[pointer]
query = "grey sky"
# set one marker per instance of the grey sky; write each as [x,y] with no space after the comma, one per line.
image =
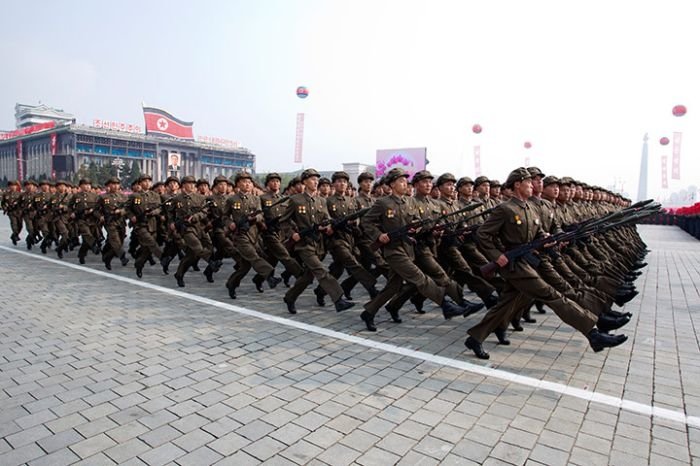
[583,81]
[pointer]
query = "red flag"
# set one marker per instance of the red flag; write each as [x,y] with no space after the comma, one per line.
[162,123]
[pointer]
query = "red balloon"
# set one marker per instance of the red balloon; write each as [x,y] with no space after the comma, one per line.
[527,144]
[664,141]
[476,128]
[302,92]
[679,110]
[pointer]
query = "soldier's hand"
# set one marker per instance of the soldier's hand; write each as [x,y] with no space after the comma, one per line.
[328,230]
[296,237]
[172,227]
[383,238]
[232,226]
[133,220]
[502,260]
[72,215]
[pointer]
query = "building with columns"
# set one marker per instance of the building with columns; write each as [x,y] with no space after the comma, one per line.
[48,143]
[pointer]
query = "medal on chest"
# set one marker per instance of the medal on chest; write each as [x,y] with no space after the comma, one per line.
[390,213]
[517,220]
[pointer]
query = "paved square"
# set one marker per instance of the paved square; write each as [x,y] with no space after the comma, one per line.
[100,367]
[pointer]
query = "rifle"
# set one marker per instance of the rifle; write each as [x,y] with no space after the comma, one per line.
[410,227]
[306,232]
[342,222]
[182,223]
[462,230]
[579,231]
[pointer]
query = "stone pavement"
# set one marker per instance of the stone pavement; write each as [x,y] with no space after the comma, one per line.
[96,370]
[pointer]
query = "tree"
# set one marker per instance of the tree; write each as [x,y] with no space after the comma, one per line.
[135,171]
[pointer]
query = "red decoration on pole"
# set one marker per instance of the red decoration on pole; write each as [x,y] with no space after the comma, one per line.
[476,128]
[664,141]
[679,110]
[527,144]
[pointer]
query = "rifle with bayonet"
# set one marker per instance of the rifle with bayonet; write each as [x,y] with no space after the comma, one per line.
[575,232]
[410,228]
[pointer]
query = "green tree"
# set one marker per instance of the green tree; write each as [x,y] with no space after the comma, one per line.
[135,171]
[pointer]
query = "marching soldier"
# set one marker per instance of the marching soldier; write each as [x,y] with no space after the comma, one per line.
[389,214]
[113,206]
[11,204]
[145,208]
[61,216]
[190,221]
[83,206]
[26,206]
[245,212]
[511,224]
[307,213]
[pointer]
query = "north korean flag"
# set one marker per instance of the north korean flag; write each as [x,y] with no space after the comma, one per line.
[163,123]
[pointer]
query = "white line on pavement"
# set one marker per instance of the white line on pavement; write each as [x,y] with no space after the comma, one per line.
[649,410]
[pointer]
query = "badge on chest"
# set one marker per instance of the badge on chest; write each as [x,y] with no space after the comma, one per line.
[268,203]
[301,209]
[236,205]
[517,220]
[390,213]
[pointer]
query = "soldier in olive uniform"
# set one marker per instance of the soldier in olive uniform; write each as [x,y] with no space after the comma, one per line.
[245,212]
[218,213]
[41,205]
[511,224]
[83,206]
[388,214]
[307,212]
[273,207]
[113,206]
[27,208]
[191,218]
[60,205]
[145,209]
[342,243]
[11,204]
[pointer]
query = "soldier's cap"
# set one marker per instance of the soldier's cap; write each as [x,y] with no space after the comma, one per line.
[464,180]
[135,182]
[444,178]
[272,176]
[113,180]
[28,182]
[187,179]
[83,181]
[365,176]
[230,182]
[323,180]
[295,180]
[13,182]
[480,180]
[172,178]
[157,185]
[308,173]
[340,175]
[63,182]
[44,182]
[242,176]
[394,174]
[551,179]
[519,174]
[421,175]
[220,179]
[585,186]
[145,177]
[534,171]
[565,181]
[202,181]
[495,183]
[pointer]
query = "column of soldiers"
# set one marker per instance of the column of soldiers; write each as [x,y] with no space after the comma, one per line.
[428,239]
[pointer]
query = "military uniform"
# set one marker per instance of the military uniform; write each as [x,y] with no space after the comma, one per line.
[113,207]
[305,211]
[245,212]
[11,204]
[145,208]
[84,206]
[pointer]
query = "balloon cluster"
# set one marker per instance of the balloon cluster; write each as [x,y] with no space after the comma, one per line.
[384,166]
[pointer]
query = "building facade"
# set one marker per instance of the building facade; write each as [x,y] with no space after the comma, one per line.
[59,148]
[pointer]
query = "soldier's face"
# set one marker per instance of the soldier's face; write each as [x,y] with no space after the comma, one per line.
[145,185]
[466,190]
[495,191]
[551,191]
[400,186]
[311,184]
[424,186]
[564,193]
[523,188]
[61,188]
[340,185]
[274,185]
[221,188]
[188,187]
[447,189]
[483,189]
[365,185]
[112,187]
[537,184]
[245,185]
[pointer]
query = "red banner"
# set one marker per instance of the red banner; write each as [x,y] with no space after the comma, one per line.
[53,143]
[664,172]
[162,123]
[20,168]
[676,157]
[477,161]
[300,138]
[28,130]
